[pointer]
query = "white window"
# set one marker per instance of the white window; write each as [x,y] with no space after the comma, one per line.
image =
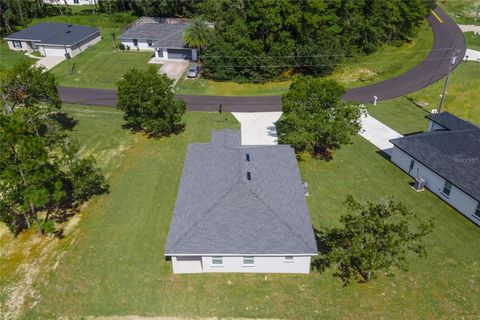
[288,259]
[248,261]
[17,44]
[217,261]
[447,188]
[477,211]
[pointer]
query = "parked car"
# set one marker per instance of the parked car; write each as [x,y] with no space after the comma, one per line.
[193,70]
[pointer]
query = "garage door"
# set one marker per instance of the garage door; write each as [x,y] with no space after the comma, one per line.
[185,54]
[54,52]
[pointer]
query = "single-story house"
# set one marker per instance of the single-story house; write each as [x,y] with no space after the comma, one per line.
[70,2]
[240,209]
[164,36]
[447,158]
[54,39]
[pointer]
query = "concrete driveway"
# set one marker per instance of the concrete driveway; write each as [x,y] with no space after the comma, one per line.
[258,128]
[378,134]
[174,69]
[49,62]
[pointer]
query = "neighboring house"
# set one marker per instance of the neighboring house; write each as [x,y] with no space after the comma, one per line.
[54,39]
[447,157]
[164,36]
[240,209]
[71,2]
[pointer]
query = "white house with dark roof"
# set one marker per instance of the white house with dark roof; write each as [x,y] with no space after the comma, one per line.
[163,36]
[54,39]
[240,209]
[447,157]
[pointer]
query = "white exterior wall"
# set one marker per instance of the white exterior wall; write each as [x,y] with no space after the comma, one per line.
[234,264]
[142,45]
[85,44]
[25,46]
[70,2]
[457,198]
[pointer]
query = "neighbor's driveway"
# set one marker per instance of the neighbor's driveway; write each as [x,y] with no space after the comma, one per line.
[174,69]
[49,62]
[258,128]
[378,134]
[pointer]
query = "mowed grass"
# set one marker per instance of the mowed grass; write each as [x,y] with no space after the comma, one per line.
[113,264]
[473,40]
[99,66]
[387,62]
[463,94]
[462,11]
[8,57]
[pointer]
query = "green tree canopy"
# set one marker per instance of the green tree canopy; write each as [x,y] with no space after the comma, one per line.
[197,33]
[41,171]
[315,118]
[376,237]
[149,103]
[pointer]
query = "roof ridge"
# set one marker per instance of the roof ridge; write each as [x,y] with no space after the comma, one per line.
[204,211]
[275,214]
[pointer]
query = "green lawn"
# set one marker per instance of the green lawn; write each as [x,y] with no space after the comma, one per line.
[388,62]
[462,11]
[463,94]
[9,57]
[112,263]
[473,41]
[99,66]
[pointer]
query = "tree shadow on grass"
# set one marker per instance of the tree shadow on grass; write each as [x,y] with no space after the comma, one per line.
[65,121]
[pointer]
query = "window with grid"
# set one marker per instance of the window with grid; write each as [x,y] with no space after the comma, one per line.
[217,261]
[248,261]
[447,188]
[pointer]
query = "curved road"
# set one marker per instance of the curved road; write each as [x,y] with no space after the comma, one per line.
[447,38]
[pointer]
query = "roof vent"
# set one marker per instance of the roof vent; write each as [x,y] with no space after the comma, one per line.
[247,157]
[70,25]
[68,31]
[249,176]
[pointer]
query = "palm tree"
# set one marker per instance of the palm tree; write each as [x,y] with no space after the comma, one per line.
[197,33]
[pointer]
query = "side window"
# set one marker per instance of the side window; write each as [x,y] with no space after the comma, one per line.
[150,43]
[447,188]
[17,44]
[477,211]
[217,261]
[135,42]
[412,164]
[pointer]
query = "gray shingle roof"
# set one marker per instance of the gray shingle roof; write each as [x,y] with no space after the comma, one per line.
[449,121]
[163,34]
[219,211]
[54,33]
[453,154]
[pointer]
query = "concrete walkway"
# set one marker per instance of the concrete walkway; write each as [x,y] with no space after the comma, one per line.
[49,62]
[258,128]
[469,28]
[472,55]
[378,134]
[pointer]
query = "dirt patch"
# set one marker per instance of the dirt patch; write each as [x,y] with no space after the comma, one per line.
[36,251]
[360,74]
[155,318]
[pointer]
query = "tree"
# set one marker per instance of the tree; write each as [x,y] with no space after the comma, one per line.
[149,103]
[377,237]
[197,33]
[315,118]
[41,172]
[29,180]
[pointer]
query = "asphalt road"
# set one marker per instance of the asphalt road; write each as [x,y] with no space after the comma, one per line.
[447,38]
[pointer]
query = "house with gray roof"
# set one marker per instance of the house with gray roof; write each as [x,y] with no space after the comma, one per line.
[54,39]
[240,209]
[163,36]
[447,159]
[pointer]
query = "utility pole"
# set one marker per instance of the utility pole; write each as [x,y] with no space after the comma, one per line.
[478,10]
[452,63]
